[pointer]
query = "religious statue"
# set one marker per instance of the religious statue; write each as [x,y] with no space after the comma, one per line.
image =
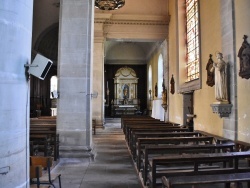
[125,94]
[164,96]
[156,90]
[244,56]
[164,93]
[220,73]
[172,82]
[210,75]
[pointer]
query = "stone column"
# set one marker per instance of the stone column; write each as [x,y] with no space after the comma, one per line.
[15,52]
[228,46]
[98,82]
[74,115]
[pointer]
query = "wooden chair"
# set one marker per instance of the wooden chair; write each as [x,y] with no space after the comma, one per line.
[43,177]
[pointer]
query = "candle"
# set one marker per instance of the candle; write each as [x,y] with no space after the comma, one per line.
[107,84]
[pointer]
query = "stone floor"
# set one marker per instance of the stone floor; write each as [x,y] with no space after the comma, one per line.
[111,166]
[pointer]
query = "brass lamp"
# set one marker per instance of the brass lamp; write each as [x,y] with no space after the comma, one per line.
[109,4]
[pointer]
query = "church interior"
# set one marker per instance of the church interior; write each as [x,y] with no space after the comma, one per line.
[181,63]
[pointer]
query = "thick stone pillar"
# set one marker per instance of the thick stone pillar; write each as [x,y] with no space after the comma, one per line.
[98,80]
[74,115]
[15,52]
[228,46]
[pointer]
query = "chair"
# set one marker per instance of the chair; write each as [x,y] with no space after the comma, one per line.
[45,176]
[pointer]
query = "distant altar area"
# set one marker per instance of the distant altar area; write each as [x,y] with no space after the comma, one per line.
[125,92]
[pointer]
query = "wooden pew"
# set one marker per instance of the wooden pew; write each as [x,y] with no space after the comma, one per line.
[142,142]
[129,128]
[230,164]
[143,123]
[153,151]
[47,138]
[217,139]
[135,134]
[172,182]
[136,118]
[41,121]
[241,146]
[43,135]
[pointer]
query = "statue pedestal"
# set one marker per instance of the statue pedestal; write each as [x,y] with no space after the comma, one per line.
[222,109]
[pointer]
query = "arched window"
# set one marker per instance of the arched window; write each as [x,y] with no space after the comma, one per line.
[192,35]
[53,87]
[188,65]
[160,75]
[150,82]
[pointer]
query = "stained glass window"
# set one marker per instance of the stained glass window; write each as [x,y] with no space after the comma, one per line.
[192,28]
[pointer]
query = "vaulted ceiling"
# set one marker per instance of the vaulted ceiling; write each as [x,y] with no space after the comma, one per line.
[130,33]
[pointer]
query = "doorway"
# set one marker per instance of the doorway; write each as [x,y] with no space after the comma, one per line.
[188,108]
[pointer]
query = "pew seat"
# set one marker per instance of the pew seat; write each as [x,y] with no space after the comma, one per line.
[173,182]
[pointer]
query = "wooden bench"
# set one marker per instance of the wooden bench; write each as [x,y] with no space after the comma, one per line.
[129,129]
[142,142]
[142,123]
[230,164]
[135,134]
[46,138]
[147,123]
[135,118]
[172,182]
[42,121]
[241,146]
[153,151]
[41,177]
[218,139]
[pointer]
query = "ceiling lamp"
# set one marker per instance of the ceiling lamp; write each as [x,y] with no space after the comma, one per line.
[109,4]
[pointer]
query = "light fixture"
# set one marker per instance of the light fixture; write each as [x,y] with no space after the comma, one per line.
[109,4]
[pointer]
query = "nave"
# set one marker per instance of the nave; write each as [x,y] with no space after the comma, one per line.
[110,166]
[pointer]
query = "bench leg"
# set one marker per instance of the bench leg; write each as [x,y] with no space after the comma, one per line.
[59,178]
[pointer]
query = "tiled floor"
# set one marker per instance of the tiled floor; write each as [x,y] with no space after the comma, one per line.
[111,166]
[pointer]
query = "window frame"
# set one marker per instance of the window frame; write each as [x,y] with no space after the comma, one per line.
[182,85]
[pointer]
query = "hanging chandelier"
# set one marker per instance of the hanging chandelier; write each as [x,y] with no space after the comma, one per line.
[109,4]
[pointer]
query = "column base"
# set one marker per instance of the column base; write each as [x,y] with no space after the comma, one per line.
[75,152]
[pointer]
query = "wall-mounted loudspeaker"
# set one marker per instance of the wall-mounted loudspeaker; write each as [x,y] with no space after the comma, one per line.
[40,66]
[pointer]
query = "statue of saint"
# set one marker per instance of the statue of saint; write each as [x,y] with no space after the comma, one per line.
[125,92]
[125,95]
[164,96]
[220,73]
[156,90]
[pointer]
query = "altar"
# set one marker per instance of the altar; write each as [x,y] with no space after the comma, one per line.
[125,92]
[119,110]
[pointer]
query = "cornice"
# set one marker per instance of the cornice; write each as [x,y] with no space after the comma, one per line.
[108,19]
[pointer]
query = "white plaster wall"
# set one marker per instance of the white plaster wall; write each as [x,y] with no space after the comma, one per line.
[15,51]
